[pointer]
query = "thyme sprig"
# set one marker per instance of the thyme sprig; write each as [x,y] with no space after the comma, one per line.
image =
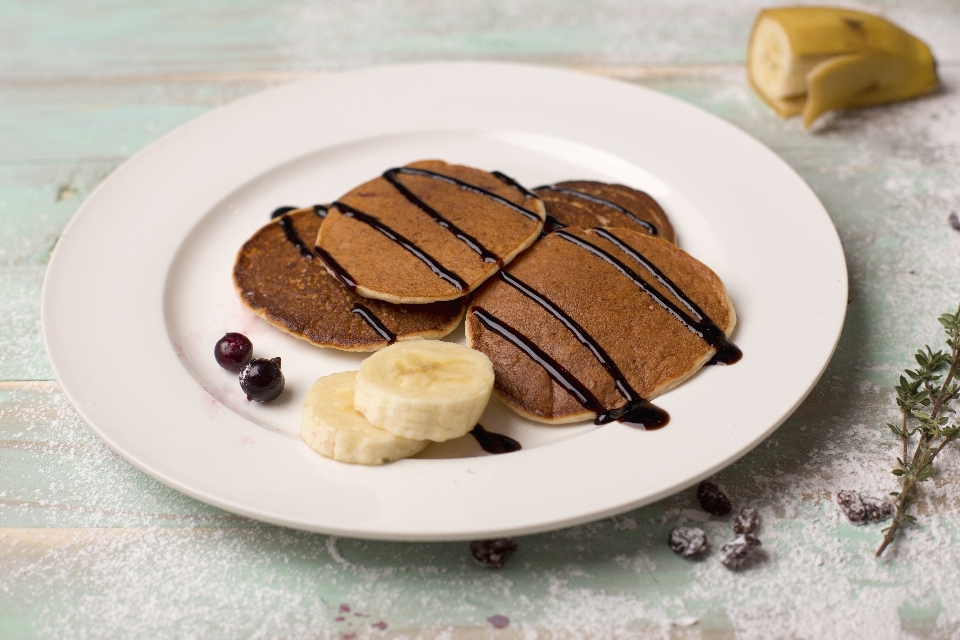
[924,396]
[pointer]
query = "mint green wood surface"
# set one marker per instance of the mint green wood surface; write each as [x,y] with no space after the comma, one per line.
[90,547]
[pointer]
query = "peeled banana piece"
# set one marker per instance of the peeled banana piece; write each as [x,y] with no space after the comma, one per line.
[334,429]
[810,60]
[424,389]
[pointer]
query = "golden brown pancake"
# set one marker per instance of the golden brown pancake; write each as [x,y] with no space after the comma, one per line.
[278,277]
[597,279]
[586,204]
[427,232]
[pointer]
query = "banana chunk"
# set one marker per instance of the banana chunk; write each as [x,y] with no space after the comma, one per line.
[811,60]
[424,389]
[334,429]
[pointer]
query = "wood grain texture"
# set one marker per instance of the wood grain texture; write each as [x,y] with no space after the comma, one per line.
[112,38]
[90,547]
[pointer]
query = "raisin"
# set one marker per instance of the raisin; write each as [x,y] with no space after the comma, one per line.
[712,499]
[954,220]
[492,553]
[748,521]
[688,542]
[860,509]
[734,553]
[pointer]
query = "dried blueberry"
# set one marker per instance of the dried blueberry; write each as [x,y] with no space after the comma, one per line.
[712,499]
[262,379]
[492,553]
[688,542]
[860,509]
[735,552]
[233,351]
[748,521]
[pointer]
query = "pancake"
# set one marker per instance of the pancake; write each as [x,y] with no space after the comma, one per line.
[278,277]
[636,325]
[586,204]
[427,232]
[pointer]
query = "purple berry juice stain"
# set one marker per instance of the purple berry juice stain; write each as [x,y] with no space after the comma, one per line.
[499,622]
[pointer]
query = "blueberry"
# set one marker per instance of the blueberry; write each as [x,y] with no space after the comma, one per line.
[233,351]
[262,379]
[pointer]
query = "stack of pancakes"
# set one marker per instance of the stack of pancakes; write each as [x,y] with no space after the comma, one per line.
[575,290]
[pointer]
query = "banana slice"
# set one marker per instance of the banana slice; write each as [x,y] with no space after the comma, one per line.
[424,389]
[334,429]
[811,60]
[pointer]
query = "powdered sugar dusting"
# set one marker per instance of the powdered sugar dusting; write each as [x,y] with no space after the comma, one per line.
[93,547]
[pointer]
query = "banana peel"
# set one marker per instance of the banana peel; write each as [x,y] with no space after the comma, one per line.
[811,60]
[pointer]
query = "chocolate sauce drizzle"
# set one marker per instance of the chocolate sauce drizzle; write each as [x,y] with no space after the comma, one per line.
[550,225]
[294,238]
[578,331]
[488,256]
[727,352]
[494,442]
[374,322]
[351,212]
[646,224]
[444,274]
[638,411]
[704,327]
[339,272]
[510,182]
[281,211]
[466,186]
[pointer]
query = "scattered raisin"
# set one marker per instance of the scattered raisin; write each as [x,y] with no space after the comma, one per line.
[954,220]
[492,553]
[712,499]
[688,542]
[735,552]
[860,509]
[747,522]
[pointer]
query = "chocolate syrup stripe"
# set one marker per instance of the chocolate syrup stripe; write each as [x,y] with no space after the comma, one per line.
[471,188]
[474,244]
[494,442]
[281,211]
[507,180]
[653,270]
[727,352]
[553,368]
[444,274]
[691,324]
[374,322]
[646,224]
[294,238]
[637,411]
[579,332]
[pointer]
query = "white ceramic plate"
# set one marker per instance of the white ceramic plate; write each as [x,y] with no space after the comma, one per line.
[138,291]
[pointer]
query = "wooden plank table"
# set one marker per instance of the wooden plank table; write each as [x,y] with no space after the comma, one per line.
[92,548]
